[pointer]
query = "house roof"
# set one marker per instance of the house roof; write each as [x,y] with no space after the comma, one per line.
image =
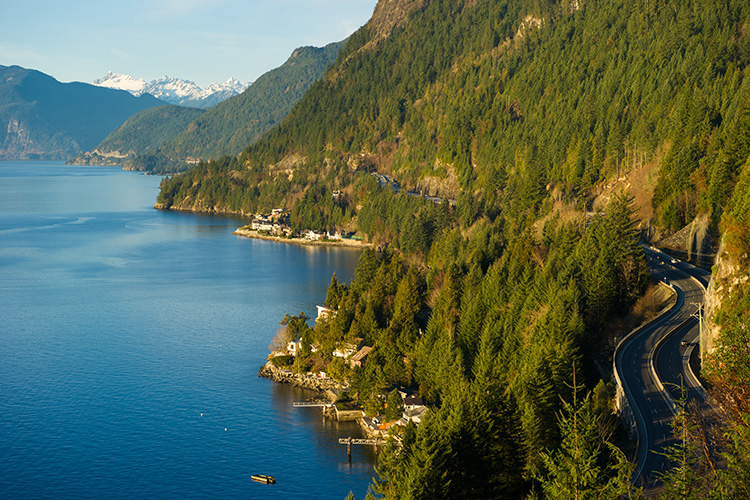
[362,353]
[413,400]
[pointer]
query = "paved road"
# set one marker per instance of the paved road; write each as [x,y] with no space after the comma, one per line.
[654,361]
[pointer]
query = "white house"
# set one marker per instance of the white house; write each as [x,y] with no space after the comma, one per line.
[294,348]
[325,313]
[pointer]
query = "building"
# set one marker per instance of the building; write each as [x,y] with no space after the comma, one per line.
[294,348]
[325,313]
[413,401]
[347,350]
[314,235]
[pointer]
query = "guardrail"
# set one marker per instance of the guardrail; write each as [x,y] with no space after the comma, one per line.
[665,394]
[632,415]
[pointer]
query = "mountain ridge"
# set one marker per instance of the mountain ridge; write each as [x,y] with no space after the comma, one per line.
[224,129]
[173,90]
[42,118]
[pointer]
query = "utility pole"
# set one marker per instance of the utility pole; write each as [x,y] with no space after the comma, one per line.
[699,315]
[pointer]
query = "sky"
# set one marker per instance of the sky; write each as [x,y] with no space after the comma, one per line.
[206,41]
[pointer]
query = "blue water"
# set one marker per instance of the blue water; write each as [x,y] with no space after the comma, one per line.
[130,341]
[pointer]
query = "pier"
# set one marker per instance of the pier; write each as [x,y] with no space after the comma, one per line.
[350,441]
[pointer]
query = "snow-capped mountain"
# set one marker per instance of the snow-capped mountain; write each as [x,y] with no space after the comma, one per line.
[175,90]
[121,82]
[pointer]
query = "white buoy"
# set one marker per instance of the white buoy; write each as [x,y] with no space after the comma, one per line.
[201,414]
[225,429]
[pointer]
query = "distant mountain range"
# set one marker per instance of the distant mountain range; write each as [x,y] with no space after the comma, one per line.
[42,118]
[161,140]
[175,90]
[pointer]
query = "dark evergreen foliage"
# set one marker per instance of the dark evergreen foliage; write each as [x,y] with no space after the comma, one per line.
[494,306]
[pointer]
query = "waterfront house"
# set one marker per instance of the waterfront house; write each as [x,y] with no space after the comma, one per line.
[314,235]
[325,313]
[414,415]
[294,348]
[413,401]
[347,349]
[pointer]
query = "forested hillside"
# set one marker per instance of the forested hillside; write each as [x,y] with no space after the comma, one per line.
[481,98]
[43,118]
[228,127]
[140,134]
[497,308]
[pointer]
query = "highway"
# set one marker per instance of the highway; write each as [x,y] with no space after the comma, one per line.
[653,362]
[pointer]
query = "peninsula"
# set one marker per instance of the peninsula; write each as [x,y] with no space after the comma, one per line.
[247,232]
[276,227]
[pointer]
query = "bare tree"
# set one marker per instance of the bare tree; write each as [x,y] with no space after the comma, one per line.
[280,340]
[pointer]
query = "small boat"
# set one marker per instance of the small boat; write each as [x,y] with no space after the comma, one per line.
[263,478]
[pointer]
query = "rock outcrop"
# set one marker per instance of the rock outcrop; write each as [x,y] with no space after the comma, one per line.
[695,240]
[306,381]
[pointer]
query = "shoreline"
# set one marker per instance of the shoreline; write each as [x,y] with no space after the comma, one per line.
[250,233]
[327,386]
[328,390]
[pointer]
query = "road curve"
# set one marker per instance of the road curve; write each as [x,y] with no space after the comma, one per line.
[651,364]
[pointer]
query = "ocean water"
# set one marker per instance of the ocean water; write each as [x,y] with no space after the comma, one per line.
[130,341]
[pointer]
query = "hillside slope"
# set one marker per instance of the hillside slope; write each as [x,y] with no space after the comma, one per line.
[231,125]
[498,310]
[140,134]
[482,99]
[43,118]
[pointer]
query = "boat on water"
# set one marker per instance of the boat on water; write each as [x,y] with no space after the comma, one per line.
[263,478]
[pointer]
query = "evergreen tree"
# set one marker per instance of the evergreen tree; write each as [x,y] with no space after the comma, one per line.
[394,406]
[574,471]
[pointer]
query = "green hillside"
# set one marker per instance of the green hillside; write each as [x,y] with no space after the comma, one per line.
[140,134]
[499,310]
[231,125]
[43,118]
[511,95]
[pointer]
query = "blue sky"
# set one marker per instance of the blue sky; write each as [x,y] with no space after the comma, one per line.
[205,41]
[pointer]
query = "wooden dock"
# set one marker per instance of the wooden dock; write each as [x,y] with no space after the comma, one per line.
[350,441]
[373,442]
[304,404]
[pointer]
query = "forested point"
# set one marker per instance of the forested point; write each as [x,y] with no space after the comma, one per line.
[497,309]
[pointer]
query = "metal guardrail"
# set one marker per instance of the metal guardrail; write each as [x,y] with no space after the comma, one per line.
[632,415]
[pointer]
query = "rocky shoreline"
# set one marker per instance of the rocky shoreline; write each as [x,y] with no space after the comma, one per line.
[249,233]
[325,385]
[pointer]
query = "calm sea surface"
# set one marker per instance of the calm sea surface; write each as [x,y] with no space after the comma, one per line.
[130,341]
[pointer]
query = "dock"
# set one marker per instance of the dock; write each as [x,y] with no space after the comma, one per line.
[303,404]
[350,441]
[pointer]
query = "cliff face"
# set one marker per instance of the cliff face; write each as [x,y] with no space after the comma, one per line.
[729,278]
[391,13]
[722,271]
[695,240]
